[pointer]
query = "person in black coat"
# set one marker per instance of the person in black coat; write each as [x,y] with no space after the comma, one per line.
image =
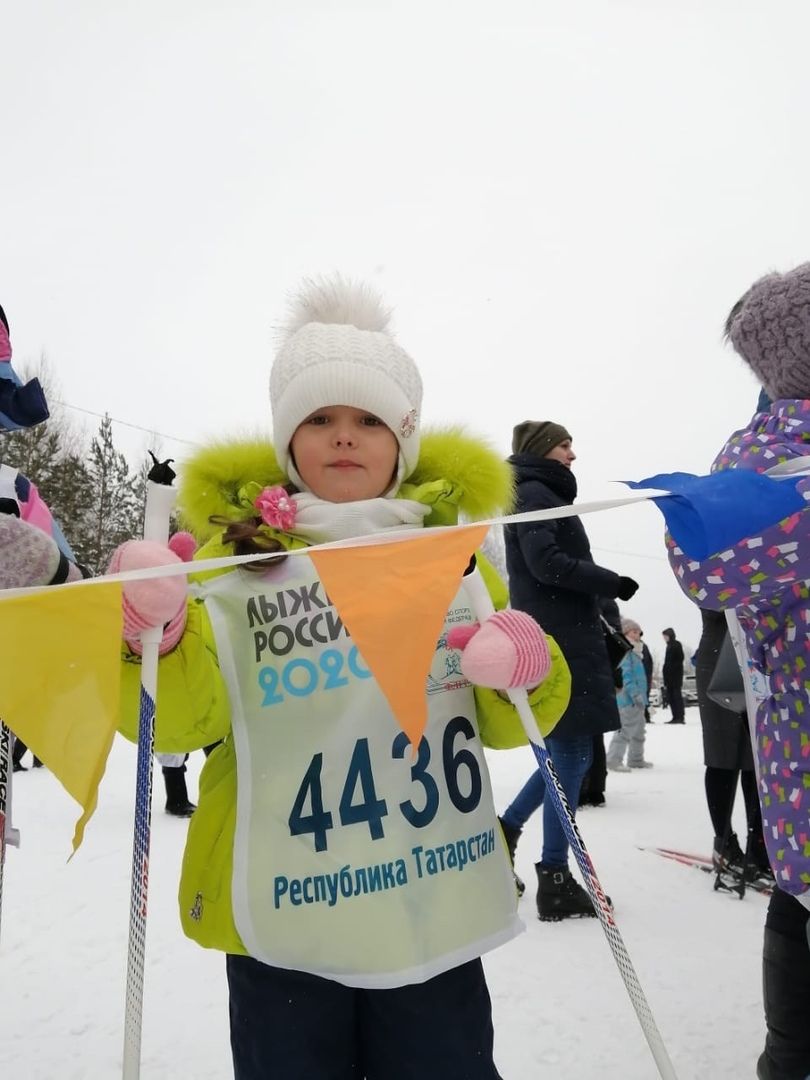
[553,577]
[673,675]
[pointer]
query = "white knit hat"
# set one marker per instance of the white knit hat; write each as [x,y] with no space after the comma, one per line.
[337,350]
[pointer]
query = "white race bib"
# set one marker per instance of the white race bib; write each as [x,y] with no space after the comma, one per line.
[354,859]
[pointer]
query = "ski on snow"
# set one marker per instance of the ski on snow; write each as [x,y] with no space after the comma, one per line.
[724,879]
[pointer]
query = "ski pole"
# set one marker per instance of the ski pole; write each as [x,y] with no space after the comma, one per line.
[8,835]
[482,609]
[159,502]
[5,800]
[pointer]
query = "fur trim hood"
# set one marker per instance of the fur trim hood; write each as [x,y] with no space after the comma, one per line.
[457,474]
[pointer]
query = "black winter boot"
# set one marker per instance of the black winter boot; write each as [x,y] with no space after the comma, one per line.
[728,857]
[177,803]
[786,993]
[596,798]
[559,896]
[511,836]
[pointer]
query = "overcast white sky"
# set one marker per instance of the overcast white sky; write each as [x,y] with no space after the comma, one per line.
[561,201]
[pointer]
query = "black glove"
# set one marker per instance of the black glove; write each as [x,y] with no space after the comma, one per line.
[627,588]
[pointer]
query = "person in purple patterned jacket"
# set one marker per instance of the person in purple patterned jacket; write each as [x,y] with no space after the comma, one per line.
[766,580]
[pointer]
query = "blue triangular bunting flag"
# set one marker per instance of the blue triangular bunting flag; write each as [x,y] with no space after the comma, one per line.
[707,514]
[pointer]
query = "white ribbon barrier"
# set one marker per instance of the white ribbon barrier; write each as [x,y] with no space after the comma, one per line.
[201,566]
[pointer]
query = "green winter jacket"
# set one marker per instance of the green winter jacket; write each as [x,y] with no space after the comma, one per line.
[456,475]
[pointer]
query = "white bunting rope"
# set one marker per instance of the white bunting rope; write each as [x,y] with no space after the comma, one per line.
[203,566]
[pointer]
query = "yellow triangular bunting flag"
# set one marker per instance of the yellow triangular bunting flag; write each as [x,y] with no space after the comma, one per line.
[61,653]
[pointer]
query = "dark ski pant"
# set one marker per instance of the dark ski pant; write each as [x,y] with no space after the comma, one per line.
[287,1025]
[595,780]
[674,694]
[786,990]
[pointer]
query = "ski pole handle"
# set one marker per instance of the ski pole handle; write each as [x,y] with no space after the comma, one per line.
[160,500]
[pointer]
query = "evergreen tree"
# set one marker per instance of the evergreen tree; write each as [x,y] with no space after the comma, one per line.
[139,494]
[34,452]
[69,499]
[113,512]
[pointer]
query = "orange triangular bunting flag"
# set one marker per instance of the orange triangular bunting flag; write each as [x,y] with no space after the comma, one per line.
[393,599]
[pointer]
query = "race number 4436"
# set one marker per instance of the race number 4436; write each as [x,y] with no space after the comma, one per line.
[360,803]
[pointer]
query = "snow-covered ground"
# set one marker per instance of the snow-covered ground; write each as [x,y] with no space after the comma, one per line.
[560,1007]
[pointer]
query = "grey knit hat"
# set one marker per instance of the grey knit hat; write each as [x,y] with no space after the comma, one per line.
[537,437]
[770,329]
[630,624]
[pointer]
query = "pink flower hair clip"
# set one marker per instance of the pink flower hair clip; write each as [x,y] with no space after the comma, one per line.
[276,507]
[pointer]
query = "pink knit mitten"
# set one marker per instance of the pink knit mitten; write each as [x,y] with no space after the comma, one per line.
[154,602]
[508,651]
[29,556]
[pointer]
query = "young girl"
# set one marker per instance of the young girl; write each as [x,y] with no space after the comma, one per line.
[766,579]
[353,883]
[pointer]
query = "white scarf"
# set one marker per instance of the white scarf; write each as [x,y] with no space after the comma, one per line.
[319,522]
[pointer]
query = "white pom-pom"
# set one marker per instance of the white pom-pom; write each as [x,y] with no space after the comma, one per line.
[336,300]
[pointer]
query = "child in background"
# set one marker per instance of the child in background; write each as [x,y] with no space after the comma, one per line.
[632,701]
[325,857]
